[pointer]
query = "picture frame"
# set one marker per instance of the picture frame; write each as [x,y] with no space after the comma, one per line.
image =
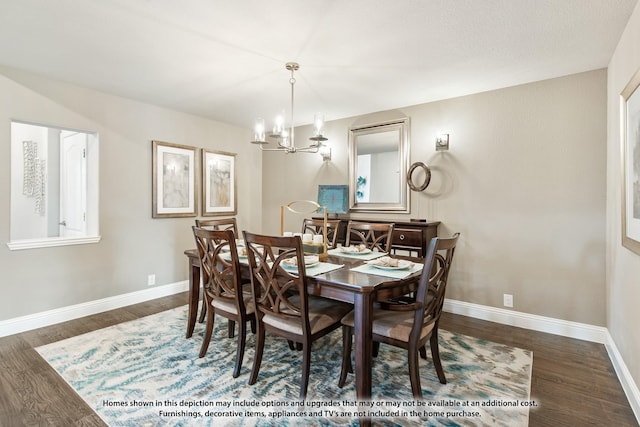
[219,187]
[334,197]
[174,180]
[630,157]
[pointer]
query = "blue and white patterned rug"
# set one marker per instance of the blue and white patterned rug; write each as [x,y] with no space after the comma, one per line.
[146,373]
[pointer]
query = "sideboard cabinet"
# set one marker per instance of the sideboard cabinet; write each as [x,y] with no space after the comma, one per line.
[410,236]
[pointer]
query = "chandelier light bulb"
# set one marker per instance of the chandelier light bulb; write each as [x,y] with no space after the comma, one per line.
[258,130]
[284,139]
[278,126]
[318,124]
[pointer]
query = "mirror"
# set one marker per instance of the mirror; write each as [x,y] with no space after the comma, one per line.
[378,162]
[54,186]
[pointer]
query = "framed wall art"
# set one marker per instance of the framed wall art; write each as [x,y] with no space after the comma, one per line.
[334,197]
[174,180]
[630,156]
[218,183]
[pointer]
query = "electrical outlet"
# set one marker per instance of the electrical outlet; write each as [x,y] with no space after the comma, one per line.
[508,300]
[151,280]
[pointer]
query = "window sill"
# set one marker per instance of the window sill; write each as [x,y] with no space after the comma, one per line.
[51,242]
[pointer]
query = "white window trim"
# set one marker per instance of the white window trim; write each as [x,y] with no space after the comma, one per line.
[51,242]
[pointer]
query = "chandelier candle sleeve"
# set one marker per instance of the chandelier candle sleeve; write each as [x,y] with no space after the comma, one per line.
[318,124]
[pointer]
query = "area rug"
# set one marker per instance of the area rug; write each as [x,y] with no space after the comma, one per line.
[146,373]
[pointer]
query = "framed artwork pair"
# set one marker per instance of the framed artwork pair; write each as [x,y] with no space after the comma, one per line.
[176,178]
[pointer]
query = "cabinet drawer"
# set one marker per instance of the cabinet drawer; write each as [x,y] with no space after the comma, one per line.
[407,237]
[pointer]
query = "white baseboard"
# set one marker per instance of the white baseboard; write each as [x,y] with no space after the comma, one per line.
[626,380]
[534,322]
[51,317]
[557,327]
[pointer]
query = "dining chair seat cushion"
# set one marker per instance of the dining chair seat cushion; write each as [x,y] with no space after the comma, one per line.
[230,307]
[391,324]
[323,313]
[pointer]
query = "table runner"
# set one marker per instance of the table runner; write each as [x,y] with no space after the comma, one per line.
[396,274]
[315,270]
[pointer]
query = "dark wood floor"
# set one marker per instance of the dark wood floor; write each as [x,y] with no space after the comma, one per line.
[573,381]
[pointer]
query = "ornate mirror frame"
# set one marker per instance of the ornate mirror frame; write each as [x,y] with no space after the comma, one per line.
[401,204]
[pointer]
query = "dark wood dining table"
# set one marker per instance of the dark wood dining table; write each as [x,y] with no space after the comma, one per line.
[359,289]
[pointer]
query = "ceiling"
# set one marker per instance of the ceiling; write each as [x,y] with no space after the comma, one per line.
[225,59]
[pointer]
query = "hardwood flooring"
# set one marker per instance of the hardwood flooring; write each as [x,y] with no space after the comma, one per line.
[573,381]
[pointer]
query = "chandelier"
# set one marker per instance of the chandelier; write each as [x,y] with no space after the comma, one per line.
[285,138]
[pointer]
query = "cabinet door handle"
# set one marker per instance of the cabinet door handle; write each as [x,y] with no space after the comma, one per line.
[402,237]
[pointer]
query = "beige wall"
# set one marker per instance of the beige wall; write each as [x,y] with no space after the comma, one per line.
[524,182]
[133,244]
[623,266]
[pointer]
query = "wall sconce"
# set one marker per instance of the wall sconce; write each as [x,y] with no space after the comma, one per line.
[442,142]
[325,152]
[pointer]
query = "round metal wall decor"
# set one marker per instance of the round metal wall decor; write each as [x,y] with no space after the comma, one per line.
[427,176]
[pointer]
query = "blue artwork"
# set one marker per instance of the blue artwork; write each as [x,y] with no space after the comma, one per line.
[334,197]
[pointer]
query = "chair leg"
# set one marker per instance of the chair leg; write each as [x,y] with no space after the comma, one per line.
[292,345]
[242,335]
[257,360]
[203,310]
[414,373]
[435,355]
[306,367]
[253,325]
[423,352]
[375,349]
[232,328]
[208,331]
[346,355]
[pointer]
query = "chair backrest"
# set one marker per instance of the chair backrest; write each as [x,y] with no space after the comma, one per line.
[219,265]
[433,282]
[279,288]
[373,235]
[314,226]
[219,224]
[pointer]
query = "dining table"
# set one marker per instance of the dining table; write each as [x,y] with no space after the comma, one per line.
[355,282]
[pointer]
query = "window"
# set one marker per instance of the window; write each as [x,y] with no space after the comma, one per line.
[54,186]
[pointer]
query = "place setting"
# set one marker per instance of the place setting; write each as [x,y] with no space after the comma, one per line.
[389,267]
[360,252]
[312,264]
[242,255]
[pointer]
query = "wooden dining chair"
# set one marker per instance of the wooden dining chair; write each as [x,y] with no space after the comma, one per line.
[374,236]
[283,306]
[224,293]
[410,326]
[315,226]
[218,224]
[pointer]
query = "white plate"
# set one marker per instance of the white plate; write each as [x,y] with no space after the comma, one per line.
[309,261]
[402,265]
[295,267]
[352,251]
